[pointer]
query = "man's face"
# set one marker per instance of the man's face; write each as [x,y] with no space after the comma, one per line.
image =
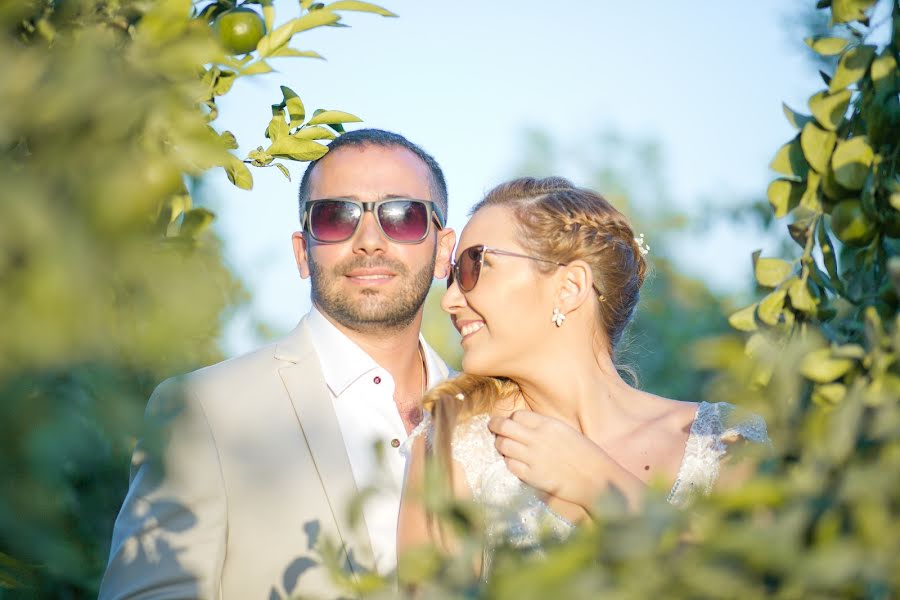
[369,283]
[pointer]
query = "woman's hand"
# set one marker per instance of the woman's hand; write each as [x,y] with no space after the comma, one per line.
[554,458]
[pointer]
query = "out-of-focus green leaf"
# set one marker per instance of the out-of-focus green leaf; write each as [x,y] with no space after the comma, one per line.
[851,161]
[195,221]
[845,11]
[821,367]
[772,271]
[817,144]
[286,51]
[884,71]
[789,160]
[260,67]
[771,307]
[313,19]
[826,46]
[784,195]
[744,319]
[796,119]
[328,117]
[829,109]
[229,140]
[853,65]
[829,394]
[356,5]
[275,39]
[277,128]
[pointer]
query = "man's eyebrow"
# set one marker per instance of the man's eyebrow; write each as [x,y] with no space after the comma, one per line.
[383,197]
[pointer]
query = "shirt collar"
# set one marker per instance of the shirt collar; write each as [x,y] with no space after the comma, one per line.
[343,362]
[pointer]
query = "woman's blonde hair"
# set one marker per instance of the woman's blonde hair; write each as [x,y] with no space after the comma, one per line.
[562,223]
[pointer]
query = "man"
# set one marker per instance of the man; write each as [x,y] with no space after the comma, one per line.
[261,455]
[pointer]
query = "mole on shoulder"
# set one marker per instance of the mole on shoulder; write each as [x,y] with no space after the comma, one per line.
[646,467]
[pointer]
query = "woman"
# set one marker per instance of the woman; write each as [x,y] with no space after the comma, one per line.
[540,423]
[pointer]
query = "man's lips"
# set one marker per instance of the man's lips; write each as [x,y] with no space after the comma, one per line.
[370,276]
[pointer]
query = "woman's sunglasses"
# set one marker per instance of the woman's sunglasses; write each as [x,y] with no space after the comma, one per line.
[401,220]
[466,270]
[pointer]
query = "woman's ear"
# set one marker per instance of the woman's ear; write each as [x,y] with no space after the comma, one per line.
[576,285]
[445,243]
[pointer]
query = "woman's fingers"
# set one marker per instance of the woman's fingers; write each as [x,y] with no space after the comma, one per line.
[511,448]
[508,428]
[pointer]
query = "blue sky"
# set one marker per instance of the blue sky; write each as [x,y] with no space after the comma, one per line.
[464,79]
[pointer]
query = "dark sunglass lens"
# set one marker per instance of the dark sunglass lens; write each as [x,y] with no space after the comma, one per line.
[333,220]
[403,220]
[470,268]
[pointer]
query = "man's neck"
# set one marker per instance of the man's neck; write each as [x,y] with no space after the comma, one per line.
[396,351]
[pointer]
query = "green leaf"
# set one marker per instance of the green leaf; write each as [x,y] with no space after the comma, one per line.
[770,272]
[817,145]
[845,11]
[827,248]
[294,106]
[297,149]
[333,116]
[275,39]
[784,195]
[238,173]
[796,119]
[853,65]
[195,221]
[313,19]
[800,297]
[259,158]
[789,160]
[268,14]
[829,109]
[884,71]
[284,170]
[771,307]
[314,133]
[223,82]
[827,46]
[810,198]
[851,351]
[257,68]
[829,394]
[360,7]
[851,161]
[286,51]
[821,367]
[277,128]
[744,319]
[229,140]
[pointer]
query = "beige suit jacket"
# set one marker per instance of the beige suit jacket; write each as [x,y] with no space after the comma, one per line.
[250,475]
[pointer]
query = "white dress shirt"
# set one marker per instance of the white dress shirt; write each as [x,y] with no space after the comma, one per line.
[363,396]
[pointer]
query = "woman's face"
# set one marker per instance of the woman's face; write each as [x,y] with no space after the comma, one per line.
[505,320]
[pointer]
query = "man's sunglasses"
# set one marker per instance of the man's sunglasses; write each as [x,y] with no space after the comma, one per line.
[401,220]
[466,270]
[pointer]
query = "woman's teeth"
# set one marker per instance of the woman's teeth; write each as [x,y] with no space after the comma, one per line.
[471,328]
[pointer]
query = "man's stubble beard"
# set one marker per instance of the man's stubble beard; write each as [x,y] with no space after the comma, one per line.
[375,311]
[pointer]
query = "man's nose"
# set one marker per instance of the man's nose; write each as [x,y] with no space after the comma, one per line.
[369,238]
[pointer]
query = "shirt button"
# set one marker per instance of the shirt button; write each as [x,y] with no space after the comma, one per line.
[377,379]
[395,443]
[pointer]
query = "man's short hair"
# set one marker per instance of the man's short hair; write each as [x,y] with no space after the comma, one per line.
[386,139]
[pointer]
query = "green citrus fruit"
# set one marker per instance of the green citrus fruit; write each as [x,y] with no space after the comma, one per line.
[239,30]
[850,225]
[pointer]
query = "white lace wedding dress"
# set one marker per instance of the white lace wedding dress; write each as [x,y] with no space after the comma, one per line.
[515,514]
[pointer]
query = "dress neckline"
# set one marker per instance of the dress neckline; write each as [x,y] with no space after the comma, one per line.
[692,434]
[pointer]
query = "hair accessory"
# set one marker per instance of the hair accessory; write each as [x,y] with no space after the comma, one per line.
[460,396]
[644,248]
[558,317]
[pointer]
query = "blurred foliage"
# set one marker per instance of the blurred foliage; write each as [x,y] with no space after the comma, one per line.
[111,278]
[816,356]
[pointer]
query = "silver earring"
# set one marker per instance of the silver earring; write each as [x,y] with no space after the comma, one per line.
[558,317]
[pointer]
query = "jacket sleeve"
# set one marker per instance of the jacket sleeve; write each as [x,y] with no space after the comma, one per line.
[169,538]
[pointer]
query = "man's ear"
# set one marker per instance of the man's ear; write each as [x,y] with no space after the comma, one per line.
[576,285]
[445,244]
[301,253]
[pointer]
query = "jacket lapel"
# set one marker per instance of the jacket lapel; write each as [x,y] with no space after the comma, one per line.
[315,414]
